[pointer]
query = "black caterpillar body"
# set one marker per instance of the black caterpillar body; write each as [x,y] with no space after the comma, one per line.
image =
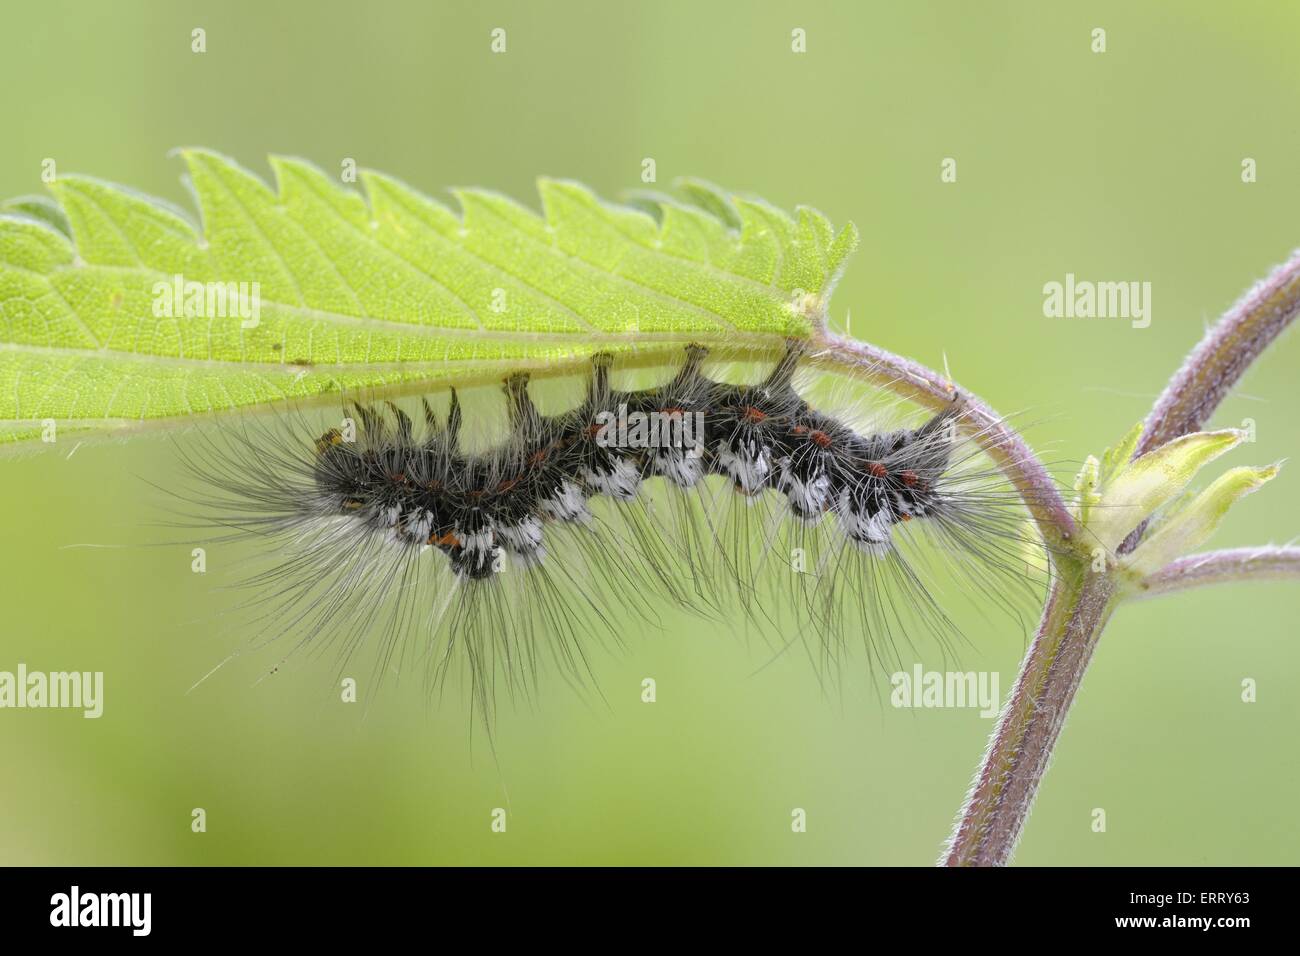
[424,491]
[811,554]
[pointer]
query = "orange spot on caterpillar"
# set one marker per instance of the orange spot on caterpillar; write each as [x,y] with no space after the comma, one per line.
[752,415]
[799,429]
[906,517]
[447,540]
[877,470]
[820,438]
[909,478]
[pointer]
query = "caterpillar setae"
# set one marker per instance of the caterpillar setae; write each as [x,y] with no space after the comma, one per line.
[527,548]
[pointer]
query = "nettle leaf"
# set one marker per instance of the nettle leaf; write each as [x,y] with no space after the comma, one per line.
[389,289]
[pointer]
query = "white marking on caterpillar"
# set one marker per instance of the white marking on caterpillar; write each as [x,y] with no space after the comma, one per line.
[748,465]
[567,504]
[808,499]
[621,481]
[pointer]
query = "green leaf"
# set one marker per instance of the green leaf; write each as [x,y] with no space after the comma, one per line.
[1120,494]
[1087,483]
[1116,459]
[1098,474]
[385,289]
[1197,519]
[41,208]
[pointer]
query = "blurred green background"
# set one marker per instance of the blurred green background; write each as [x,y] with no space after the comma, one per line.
[1122,165]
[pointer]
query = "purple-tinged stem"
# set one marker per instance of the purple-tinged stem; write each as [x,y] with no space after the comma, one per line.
[1221,567]
[998,804]
[1218,362]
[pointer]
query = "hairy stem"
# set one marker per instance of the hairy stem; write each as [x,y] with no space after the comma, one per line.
[1223,355]
[1081,601]
[999,802]
[1080,604]
[1218,362]
[1222,567]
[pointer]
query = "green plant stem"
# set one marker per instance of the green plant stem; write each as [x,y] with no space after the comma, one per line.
[1222,357]
[1217,363]
[1081,602]
[1222,567]
[996,808]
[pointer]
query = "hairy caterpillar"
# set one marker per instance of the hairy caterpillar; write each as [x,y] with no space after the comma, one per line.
[526,548]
